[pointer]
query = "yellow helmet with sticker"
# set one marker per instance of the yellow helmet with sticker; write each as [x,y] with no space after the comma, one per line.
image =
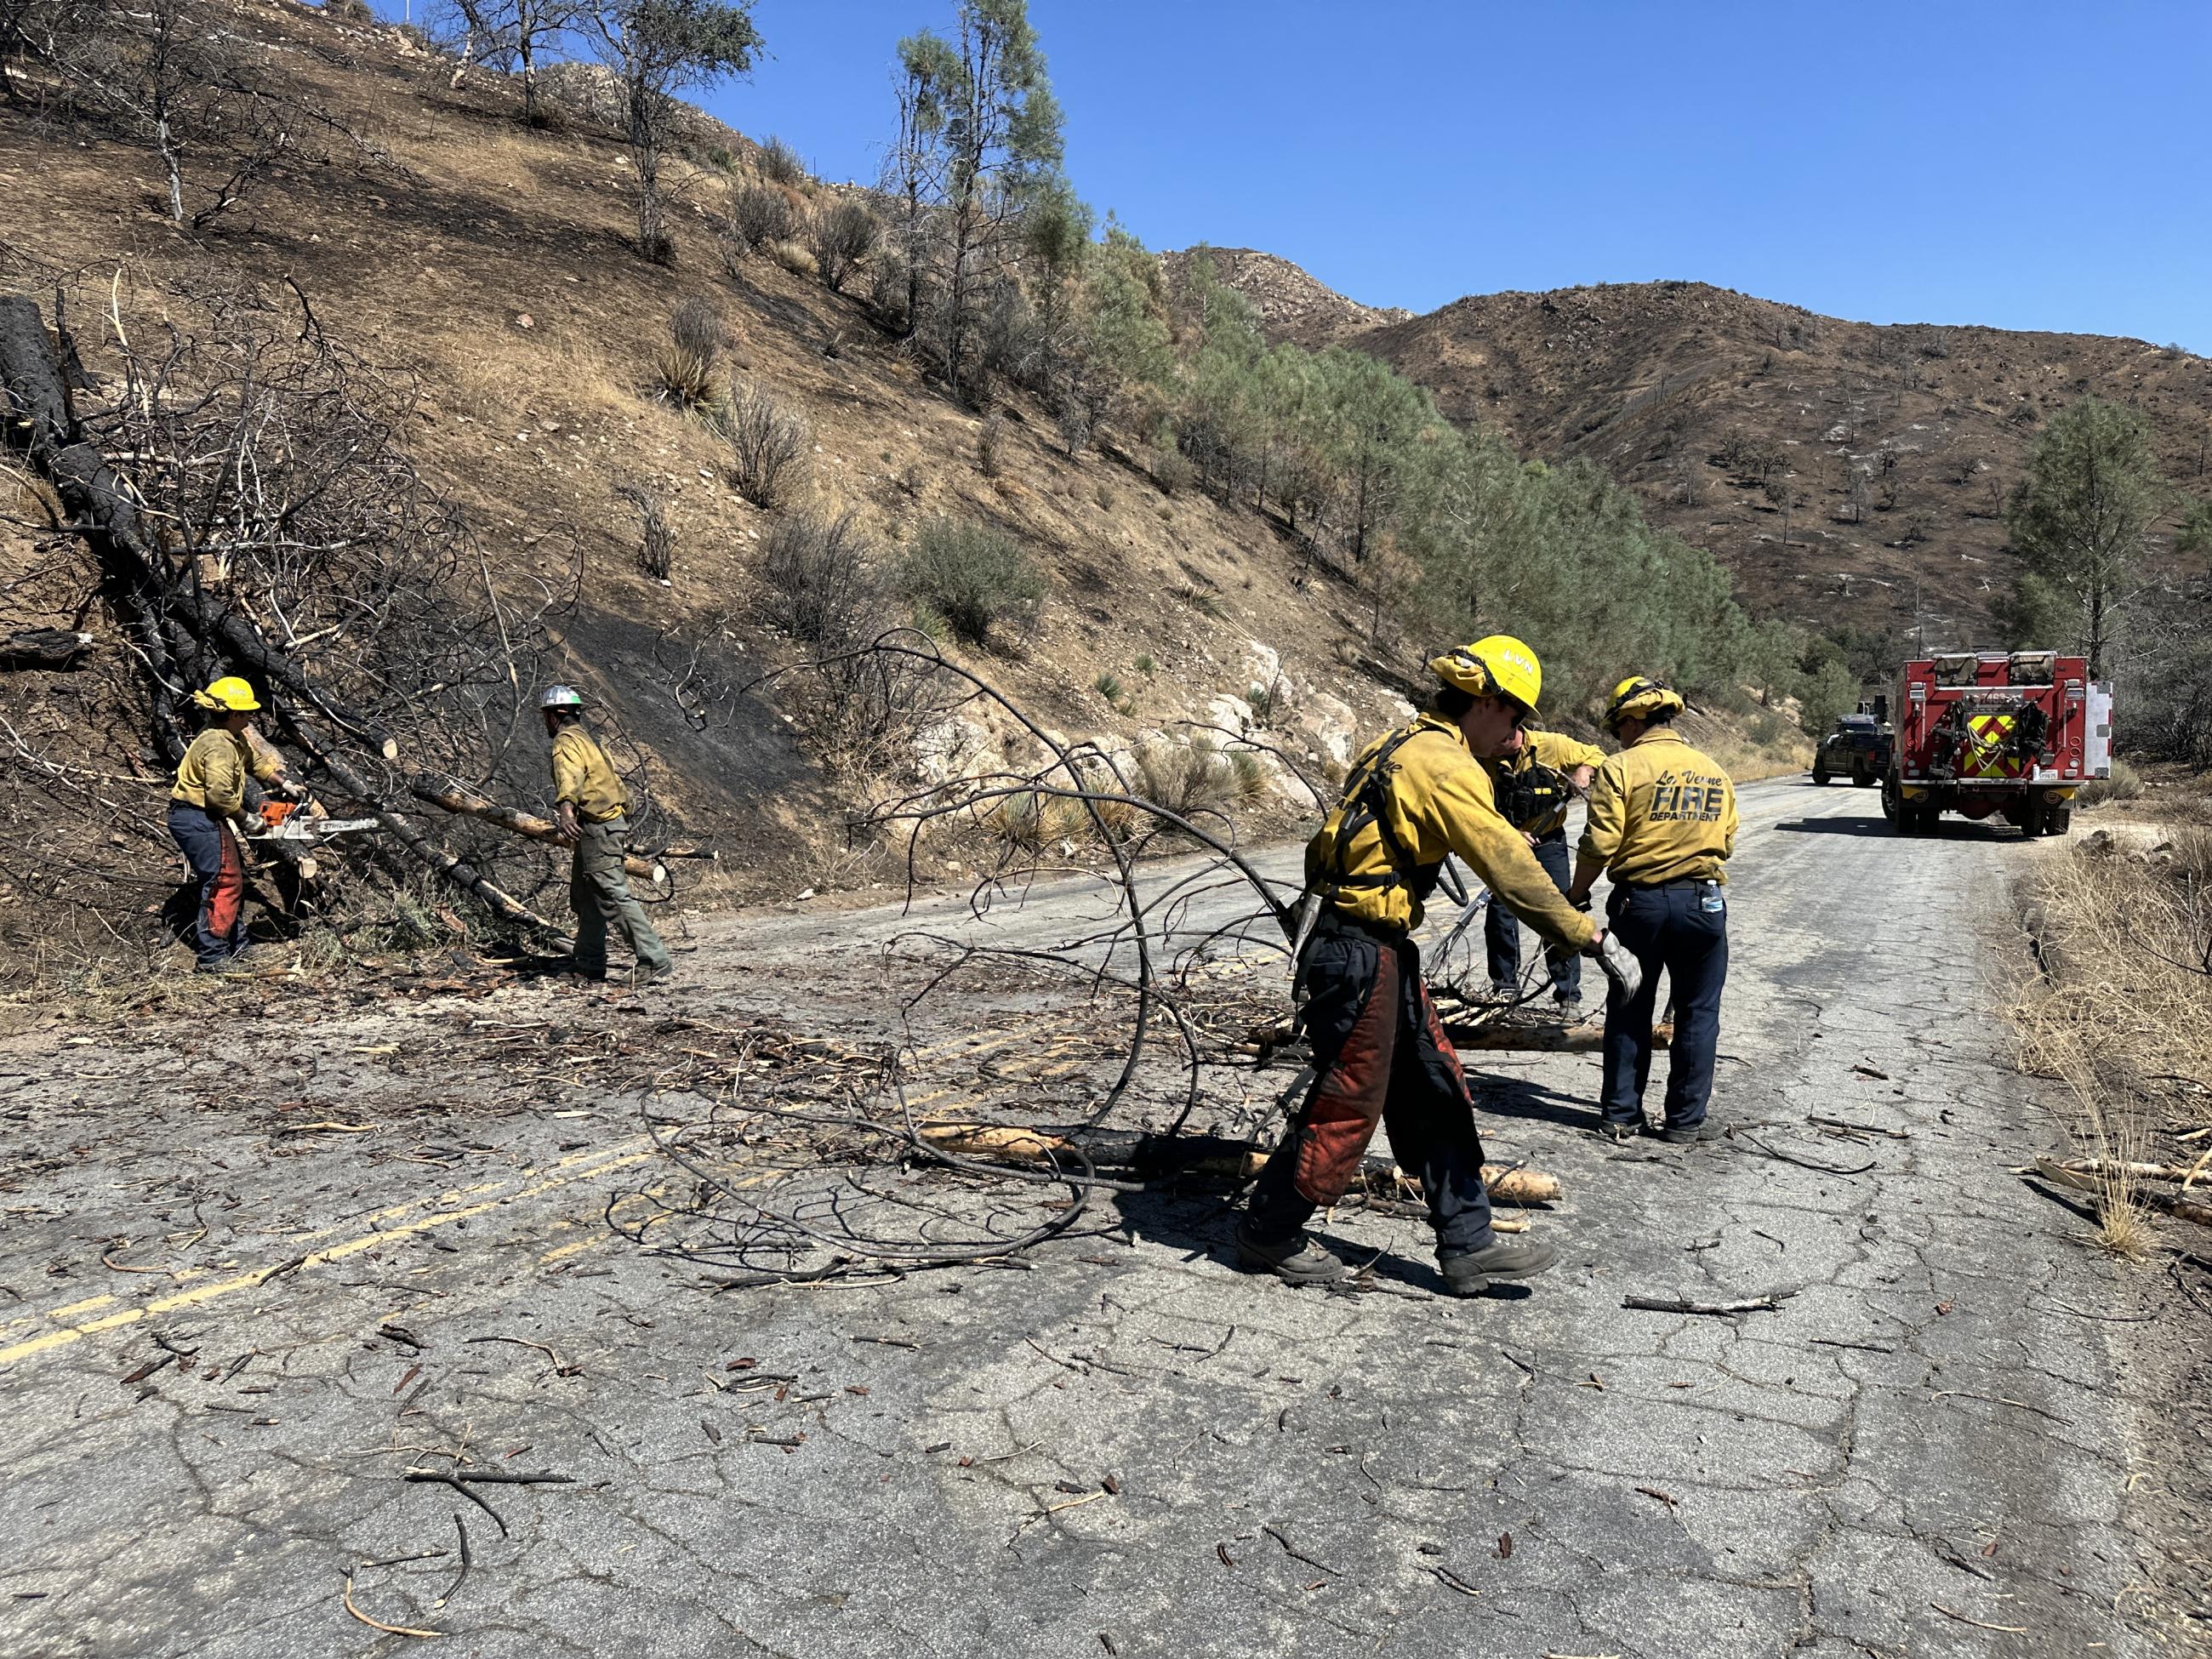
[230,694]
[1640,697]
[1496,665]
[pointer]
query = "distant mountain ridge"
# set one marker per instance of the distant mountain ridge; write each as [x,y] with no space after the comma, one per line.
[1889,449]
[1292,303]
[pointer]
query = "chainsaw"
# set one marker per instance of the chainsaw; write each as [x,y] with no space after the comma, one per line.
[282,820]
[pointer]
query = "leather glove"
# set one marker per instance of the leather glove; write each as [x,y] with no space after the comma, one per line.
[1620,967]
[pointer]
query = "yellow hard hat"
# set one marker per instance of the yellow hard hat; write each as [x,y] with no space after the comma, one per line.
[1496,664]
[1639,698]
[230,693]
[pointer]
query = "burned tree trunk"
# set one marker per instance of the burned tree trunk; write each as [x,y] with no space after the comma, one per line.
[44,647]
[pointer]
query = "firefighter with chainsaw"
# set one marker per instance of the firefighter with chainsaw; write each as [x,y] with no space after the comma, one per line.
[1662,823]
[1534,780]
[1379,1053]
[592,802]
[207,816]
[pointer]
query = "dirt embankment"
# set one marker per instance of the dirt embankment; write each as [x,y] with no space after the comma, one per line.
[2111,1003]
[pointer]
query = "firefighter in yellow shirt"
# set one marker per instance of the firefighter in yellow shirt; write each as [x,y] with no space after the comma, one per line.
[591,801]
[1534,780]
[1662,823]
[207,807]
[1379,1053]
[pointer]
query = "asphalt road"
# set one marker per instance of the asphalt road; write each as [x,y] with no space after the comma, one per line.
[1121,1447]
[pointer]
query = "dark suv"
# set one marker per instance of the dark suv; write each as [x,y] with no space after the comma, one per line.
[1858,748]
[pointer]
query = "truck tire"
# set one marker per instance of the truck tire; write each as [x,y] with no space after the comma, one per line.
[1820,774]
[1861,777]
[2059,819]
[2032,816]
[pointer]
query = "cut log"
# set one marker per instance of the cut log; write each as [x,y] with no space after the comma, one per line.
[1190,1154]
[44,647]
[1492,1037]
[449,796]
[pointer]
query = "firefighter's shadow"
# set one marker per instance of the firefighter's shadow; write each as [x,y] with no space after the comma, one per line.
[1199,1223]
[1524,1097]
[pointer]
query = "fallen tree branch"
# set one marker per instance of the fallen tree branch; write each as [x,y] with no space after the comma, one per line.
[1769,1303]
[2077,1180]
[449,796]
[1804,1163]
[2123,1169]
[502,904]
[1857,1128]
[378,1624]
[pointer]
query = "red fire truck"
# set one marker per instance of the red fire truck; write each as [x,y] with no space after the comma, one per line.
[1985,732]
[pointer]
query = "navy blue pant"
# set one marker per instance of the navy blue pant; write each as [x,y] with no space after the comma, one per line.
[1670,927]
[1379,1055]
[212,851]
[1501,928]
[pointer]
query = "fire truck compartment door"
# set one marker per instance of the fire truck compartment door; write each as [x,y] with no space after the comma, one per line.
[2097,741]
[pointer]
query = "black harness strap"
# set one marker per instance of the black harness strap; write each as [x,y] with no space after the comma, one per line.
[1530,793]
[1366,800]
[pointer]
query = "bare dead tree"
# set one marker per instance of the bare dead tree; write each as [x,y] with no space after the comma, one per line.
[173,75]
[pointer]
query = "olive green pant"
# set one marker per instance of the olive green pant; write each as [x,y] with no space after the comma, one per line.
[599,891]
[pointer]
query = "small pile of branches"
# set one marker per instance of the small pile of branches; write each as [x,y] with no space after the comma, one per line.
[1177,943]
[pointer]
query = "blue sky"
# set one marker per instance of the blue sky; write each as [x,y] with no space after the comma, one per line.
[2028,165]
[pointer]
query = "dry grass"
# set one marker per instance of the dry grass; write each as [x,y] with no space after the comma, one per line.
[1036,822]
[685,375]
[794,257]
[2125,784]
[1190,779]
[2116,1004]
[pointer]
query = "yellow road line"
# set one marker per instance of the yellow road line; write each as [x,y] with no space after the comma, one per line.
[589,1156]
[576,1166]
[193,1298]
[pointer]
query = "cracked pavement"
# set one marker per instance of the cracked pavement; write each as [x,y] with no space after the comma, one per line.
[1118,1446]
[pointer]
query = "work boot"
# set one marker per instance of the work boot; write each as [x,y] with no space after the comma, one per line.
[1470,1275]
[1297,1260]
[1502,991]
[1570,1008]
[661,975]
[1690,1135]
[235,964]
[1609,1130]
